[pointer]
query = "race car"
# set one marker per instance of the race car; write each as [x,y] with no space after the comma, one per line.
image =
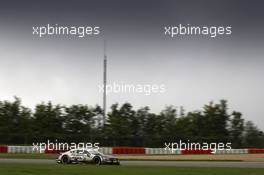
[91,156]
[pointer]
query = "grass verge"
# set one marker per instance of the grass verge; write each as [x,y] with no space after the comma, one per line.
[44,169]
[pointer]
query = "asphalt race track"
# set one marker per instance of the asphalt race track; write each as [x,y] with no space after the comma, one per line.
[157,163]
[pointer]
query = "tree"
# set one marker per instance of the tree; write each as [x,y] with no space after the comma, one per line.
[253,136]
[168,122]
[216,121]
[237,129]
[78,122]
[48,121]
[196,128]
[152,130]
[121,124]
[125,126]
[15,122]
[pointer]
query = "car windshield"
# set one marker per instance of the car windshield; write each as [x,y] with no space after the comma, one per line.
[95,152]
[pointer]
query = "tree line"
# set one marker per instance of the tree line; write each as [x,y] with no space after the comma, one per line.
[125,126]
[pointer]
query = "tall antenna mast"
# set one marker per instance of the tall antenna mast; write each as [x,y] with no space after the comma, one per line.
[105,79]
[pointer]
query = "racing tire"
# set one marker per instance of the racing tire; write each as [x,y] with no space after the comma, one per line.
[65,159]
[97,160]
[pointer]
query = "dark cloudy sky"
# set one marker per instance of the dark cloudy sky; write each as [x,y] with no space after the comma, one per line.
[195,70]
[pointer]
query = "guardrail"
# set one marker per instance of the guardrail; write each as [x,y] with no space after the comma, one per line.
[128,150]
[196,151]
[3,149]
[255,150]
[134,150]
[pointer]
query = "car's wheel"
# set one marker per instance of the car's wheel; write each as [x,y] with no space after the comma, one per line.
[65,159]
[97,160]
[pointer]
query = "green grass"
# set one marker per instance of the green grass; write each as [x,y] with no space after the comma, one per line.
[47,169]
